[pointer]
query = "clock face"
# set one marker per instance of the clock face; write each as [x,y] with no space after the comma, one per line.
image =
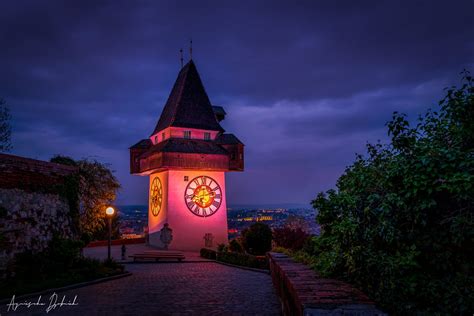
[203,196]
[156,196]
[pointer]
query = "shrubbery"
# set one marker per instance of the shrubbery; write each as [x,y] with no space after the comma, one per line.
[257,239]
[290,238]
[94,188]
[234,254]
[401,223]
[61,264]
[208,253]
[242,259]
[235,246]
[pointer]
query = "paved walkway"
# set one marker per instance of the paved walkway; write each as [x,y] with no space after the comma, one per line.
[204,288]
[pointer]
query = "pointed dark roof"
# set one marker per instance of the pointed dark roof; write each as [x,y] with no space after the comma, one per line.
[188,104]
[228,139]
[143,144]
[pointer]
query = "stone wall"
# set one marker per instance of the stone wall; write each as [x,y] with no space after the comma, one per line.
[303,292]
[32,207]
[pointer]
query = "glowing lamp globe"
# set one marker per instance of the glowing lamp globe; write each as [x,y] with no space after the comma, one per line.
[109,211]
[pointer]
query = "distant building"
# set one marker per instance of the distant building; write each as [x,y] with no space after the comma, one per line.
[186,157]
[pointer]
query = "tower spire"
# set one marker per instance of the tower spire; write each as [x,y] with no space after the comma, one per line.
[181,57]
[191,49]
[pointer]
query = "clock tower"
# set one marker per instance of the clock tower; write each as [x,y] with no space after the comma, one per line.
[186,157]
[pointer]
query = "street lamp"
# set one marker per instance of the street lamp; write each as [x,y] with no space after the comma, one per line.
[110,212]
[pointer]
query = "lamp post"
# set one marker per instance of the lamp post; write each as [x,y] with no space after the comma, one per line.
[110,212]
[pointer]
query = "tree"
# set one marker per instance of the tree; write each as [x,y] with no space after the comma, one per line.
[290,238]
[235,246]
[97,189]
[257,239]
[401,223]
[297,222]
[5,127]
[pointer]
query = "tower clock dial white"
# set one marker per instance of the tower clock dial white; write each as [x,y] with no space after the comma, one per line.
[203,196]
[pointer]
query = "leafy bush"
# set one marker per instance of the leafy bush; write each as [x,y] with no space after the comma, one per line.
[61,264]
[94,187]
[208,253]
[279,249]
[257,239]
[3,212]
[401,224]
[241,259]
[221,247]
[235,246]
[290,238]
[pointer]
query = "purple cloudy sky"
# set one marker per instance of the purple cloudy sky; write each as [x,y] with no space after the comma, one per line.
[305,85]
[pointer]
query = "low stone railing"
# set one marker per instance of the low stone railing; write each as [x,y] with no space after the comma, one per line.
[303,292]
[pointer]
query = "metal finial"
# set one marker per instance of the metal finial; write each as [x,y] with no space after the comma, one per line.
[191,48]
[181,58]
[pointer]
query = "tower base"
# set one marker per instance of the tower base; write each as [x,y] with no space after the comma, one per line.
[190,232]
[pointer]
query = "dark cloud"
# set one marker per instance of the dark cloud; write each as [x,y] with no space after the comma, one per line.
[305,84]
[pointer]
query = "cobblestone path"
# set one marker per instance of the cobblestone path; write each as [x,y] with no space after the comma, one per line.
[205,288]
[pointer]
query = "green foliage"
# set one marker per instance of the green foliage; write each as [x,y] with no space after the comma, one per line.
[61,254]
[401,223]
[208,253]
[64,160]
[241,259]
[60,264]
[236,258]
[3,212]
[257,239]
[5,127]
[279,249]
[290,238]
[95,188]
[221,247]
[235,246]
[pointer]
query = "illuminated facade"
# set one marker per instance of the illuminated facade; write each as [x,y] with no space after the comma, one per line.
[186,158]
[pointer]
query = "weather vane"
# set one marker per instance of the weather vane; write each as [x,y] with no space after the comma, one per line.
[181,58]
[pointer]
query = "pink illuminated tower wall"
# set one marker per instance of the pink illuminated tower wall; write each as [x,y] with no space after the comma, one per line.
[186,158]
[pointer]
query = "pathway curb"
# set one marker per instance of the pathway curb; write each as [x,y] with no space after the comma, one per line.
[243,267]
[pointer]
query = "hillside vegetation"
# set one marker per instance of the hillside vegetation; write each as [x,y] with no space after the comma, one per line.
[400,224]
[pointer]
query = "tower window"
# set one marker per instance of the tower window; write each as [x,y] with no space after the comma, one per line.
[163,136]
[187,134]
[156,139]
[207,136]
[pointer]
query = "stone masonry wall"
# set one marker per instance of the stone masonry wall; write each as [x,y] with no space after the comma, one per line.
[31,207]
[303,292]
